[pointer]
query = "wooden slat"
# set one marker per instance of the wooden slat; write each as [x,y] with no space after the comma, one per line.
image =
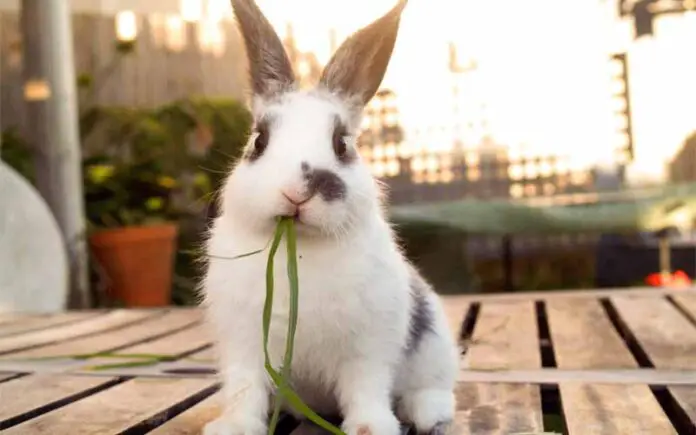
[191,421]
[114,319]
[455,309]
[662,331]
[33,323]
[601,376]
[115,409]
[584,338]
[175,344]
[32,392]
[497,409]
[612,409]
[110,340]
[575,294]
[505,337]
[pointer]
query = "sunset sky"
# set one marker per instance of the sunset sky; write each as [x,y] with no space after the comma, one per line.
[543,69]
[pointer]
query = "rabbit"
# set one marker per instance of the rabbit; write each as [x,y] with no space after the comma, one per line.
[372,343]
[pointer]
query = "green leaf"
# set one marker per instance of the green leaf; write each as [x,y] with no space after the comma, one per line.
[282,380]
[267,311]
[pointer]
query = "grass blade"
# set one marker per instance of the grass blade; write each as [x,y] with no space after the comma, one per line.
[267,311]
[281,380]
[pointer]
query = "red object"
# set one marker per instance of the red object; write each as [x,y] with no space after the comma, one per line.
[678,279]
[138,262]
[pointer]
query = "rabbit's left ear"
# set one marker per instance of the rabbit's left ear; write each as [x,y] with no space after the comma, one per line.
[269,66]
[358,66]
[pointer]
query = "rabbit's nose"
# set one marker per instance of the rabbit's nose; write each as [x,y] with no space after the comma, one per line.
[295,199]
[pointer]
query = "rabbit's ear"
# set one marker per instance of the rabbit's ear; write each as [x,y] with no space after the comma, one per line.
[269,66]
[358,66]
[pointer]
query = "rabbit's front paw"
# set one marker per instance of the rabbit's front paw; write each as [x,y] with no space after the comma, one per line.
[372,423]
[227,425]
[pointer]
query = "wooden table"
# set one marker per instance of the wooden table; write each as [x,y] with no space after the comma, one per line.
[600,362]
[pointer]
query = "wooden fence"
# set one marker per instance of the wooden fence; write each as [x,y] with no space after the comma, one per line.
[153,73]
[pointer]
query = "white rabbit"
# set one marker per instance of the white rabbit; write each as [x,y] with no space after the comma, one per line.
[372,340]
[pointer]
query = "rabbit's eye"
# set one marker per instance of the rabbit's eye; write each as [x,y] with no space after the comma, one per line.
[260,142]
[339,146]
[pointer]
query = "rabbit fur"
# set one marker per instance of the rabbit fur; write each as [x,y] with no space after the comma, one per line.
[372,342]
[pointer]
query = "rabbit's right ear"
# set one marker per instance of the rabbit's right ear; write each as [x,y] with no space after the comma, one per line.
[269,66]
[358,66]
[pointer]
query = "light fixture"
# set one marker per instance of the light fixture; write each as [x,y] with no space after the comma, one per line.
[126,26]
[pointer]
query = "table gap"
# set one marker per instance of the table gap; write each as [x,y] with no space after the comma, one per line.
[675,413]
[551,405]
[161,418]
[684,312]
[21,418]
[12,377]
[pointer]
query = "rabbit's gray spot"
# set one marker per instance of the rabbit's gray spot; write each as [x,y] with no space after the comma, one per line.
[422,319]
[305,167]
[325,183]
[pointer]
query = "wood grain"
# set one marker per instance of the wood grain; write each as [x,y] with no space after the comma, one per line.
[191,421]
[505,337]
[115,409]
[114,319]
[33,323]
[497,409]
[32,392]
[668,338]
[584,338]
[110,340]
[612,409]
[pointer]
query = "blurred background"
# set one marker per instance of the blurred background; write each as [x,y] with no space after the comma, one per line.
[495,107]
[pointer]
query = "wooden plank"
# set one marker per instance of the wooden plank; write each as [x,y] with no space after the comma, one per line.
[31,392]
[116,409]
[612,409]
[175,344]
[191,421]
[604,376]
[574,294]
[505,337]
[497,409]
[113,319]
[455,309]
[34,323]
[584,338]
[109,340]
[668,338]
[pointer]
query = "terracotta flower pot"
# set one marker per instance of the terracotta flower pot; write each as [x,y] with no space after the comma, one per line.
[138,262]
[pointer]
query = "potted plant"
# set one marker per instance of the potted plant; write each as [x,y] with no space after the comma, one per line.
[132,166]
